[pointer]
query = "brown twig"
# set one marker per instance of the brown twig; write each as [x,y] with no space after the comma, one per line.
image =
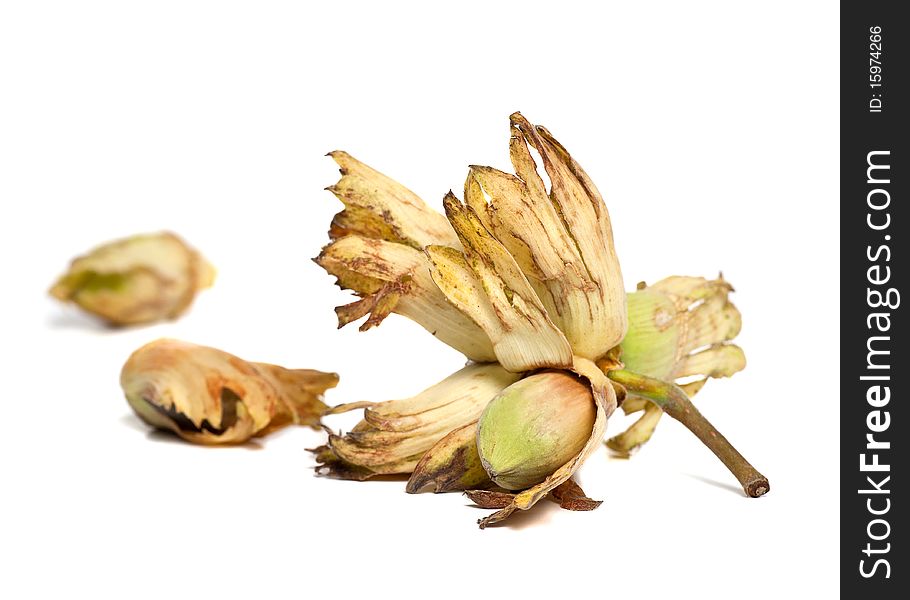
[674,401]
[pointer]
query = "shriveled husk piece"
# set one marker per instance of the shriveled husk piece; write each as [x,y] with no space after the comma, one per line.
[377,252]
[567,494]
[135,280]
[207,396]
[679,330]
[451,464]
[561,240]
[395,434]
[392,277]
[377,207]
[487,285]
[528,263]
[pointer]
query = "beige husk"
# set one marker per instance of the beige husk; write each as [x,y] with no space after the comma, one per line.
[517,276]
[140,279]
[393,435]
[210,397]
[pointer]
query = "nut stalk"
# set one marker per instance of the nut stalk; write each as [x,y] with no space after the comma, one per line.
[674,401]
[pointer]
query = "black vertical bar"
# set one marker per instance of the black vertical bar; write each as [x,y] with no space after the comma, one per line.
[874,367]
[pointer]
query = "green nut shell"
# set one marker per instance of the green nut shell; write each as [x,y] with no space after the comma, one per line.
[533,427]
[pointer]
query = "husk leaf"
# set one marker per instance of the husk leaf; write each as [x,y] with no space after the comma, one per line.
[561,240]
[394,435]
[584,215]
[392,277]
[451,464]
[207,396]
[378,207]
[136,280]
[487,285]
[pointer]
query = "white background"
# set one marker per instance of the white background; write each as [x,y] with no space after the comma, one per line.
[711,130]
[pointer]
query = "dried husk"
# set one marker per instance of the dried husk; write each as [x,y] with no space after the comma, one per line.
[562,240]
[377,207]
[533,272]
[207,396]
[393,277]
[526,264]
[136,280]
[486,284]
[452,464]
[395,434]
[570,496]
[567,494]
[377,252]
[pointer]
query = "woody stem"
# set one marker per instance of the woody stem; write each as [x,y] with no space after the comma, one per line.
[674,401]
